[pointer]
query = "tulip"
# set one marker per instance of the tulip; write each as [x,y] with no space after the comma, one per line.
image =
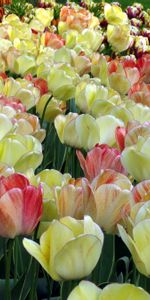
[113,197]
[90,39]
[80,131]
[84,291]
[89,91]
[45,16]
[52,182]
[135,157]
[108,197]
[141,192]
[21,152]
[114,15]
[87,290]
[61,82]
[119,37]
[23,90]
[52,40]
[28,124]
[76,199]
[138,244]
[20,206]
[100,158]
[68,249]
[54,107]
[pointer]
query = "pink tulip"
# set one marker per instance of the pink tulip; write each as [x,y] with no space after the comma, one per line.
[20,206]
[100,158]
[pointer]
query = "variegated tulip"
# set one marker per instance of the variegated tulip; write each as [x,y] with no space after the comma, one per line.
[21,152]
[69,249]
[52,182]
[22,89]
[20,206]
[100,158]
[87,290]
[113,197]
[141,192]
[76,199]
[138,243]
[26,123]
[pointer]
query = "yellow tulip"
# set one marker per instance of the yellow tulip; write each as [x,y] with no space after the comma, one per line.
[136,158]
[20,152]
[138,243]
[87,290]
[51,181]
[80,131]
[68,249]
[84,291]
[23,90]
[45,16]
[114,15]
[119,37]
[90,39]
[61,82]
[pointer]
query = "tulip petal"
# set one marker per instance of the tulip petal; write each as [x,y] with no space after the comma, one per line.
[34,250]
[78,257]
[84,291]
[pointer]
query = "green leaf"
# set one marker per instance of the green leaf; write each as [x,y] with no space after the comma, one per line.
[104,269]
[67,287]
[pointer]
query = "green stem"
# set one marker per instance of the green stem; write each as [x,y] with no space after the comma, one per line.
[8,255]
[44,111]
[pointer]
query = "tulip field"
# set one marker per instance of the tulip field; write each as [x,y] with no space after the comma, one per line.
[74,150]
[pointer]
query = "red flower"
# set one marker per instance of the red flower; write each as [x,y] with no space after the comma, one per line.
[20,206]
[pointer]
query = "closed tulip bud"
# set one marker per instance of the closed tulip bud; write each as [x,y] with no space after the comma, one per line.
[68,249]
[20,206]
